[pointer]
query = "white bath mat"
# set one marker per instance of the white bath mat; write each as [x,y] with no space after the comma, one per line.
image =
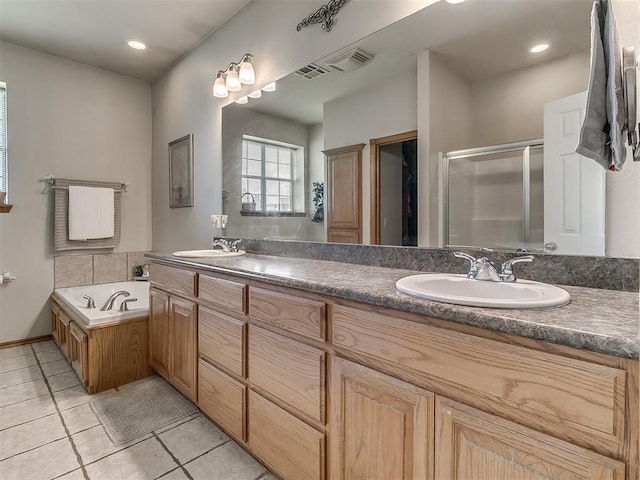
[140,408]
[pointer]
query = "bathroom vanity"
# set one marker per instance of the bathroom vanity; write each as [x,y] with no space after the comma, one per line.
[322,370]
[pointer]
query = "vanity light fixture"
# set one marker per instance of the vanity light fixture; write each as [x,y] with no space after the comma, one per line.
[269,87]
[136,45]
[243,100]
[539,48]
[453,2]
[256,94]
[234,76]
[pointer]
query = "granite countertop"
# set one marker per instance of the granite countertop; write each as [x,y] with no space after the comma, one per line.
[604,321]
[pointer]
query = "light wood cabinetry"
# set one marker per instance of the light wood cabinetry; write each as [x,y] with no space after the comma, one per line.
[78,352]
[290,371]
[159,331]
[320,388]
[172,333]
[104,356]
[344,193]
[223,399]
[293,449]
[221,340]
[182,346]
[381,427]
[473,445]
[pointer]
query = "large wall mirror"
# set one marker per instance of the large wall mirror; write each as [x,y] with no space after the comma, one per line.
[489,115]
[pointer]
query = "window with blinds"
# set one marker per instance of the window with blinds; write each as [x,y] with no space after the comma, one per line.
[3,137]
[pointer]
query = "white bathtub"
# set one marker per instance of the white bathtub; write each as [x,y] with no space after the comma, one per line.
[72,298]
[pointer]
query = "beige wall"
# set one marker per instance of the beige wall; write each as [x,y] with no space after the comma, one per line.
[509,107]
[183,103]
[72,121]
[383,110]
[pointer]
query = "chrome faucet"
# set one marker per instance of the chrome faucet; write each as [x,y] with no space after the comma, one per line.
[483,269]
[225,244]
[90,303]
[222,243]
[108,304]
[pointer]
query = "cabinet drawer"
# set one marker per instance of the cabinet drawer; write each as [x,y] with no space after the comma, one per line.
[222,398]
[298,315]
[221,340]
[288,370]
[174,279]
[224,293]
[293,449]
[577,395]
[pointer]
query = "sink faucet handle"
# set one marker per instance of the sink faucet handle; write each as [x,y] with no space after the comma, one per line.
[90,302]
[506,271]
[473,263]
[233,246]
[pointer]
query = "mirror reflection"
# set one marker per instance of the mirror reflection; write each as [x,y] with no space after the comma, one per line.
[434,131]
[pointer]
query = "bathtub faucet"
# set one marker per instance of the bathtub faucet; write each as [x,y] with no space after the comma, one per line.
[108,304]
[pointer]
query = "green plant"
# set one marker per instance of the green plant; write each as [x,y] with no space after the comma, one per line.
[318,202]
[137,270]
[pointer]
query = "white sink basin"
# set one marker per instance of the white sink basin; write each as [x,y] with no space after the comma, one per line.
[460,290]
[208,254]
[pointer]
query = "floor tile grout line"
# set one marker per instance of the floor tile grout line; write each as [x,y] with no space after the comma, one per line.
[34,448]
[175,426]
[208,451]
[28,421]
[167,473]
[173,457]
[22,383]
[64,425]
[117,451]
[43,395]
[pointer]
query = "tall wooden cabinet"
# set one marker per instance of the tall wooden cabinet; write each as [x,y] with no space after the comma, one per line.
[343,199]
[173,327]
[382,427]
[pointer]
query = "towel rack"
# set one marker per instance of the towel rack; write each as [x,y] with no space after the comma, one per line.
[51,183]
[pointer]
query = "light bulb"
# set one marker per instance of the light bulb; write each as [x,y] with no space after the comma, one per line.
[539,48]
[269,87]
[219,87]
[135,44]
[242,100]
[256,94]
[247,74]
[233,82]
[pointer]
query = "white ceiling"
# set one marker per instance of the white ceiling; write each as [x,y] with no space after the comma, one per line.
[479,39]
[95,32]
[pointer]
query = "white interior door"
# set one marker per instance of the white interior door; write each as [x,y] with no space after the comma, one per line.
[574,186]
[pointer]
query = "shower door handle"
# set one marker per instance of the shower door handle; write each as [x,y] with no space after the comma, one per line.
[551,246]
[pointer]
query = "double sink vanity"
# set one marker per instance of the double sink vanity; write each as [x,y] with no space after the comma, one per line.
[323,369]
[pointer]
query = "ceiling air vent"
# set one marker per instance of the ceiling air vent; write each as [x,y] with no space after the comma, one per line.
[311,71]
[350,61]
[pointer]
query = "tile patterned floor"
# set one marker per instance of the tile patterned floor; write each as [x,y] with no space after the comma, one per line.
[47,431]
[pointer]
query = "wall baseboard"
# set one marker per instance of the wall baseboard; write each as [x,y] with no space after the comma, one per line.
[25,341]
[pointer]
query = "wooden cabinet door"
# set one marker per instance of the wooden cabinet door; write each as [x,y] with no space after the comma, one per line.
[473,445]
[159,331]
[78,352]
[381,427]
[182,346]
[344,191]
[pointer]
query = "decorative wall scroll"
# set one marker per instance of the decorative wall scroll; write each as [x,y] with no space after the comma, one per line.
[324,15]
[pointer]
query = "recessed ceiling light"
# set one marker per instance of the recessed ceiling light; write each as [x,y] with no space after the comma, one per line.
[135,44]
[453,2]
[539,48]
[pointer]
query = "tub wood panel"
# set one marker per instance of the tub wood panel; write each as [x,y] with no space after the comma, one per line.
[118,355]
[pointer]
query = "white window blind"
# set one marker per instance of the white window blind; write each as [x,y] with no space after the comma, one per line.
[3,137]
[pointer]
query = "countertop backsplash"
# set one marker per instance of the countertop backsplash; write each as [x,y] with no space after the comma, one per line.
[580,271]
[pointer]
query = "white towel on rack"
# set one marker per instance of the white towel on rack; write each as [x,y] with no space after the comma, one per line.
[91,213]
